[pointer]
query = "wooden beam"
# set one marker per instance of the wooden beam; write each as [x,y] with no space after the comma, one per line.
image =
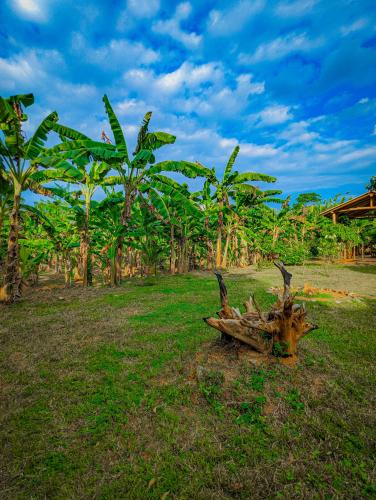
[363,198]
[357,208]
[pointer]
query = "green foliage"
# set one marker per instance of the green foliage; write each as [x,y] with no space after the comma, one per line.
[293,398]
[292,253]
[251,413]
[278,349]
[146,216]
[371,186]
[211,388]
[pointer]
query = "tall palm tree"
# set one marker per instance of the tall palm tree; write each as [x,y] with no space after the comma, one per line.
[227,188]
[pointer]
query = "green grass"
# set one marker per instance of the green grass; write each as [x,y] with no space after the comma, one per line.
[123,393]
[318,295]
[363,268]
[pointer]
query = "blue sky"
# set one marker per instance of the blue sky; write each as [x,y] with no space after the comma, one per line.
[293,82]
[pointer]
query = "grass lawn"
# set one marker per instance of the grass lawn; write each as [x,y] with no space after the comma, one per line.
[126,393]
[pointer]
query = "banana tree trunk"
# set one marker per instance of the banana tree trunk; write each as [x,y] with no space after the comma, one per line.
[85,247]
[1,225]
[181,254]
[244,259]
[172,250]
[67,270]
[12,281]
[209,245]
[127,267]
[209,263]
[186,256]
[84,257]
[225,251]
[236,251]
[218,257]
[125,220]
[275,236]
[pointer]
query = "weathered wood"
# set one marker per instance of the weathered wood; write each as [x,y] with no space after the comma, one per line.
[284,324]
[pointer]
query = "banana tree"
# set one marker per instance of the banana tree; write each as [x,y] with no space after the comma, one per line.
[209,210]
[175,207]
[87,178]
[17,166]
[106,219]
[58,223]
[237,227]
[6,193]
[226,188]
[139,169]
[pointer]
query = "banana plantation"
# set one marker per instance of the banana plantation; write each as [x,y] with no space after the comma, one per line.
[108,210]
[111,384]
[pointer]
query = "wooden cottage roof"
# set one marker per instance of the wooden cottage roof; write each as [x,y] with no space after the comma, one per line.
[361,207]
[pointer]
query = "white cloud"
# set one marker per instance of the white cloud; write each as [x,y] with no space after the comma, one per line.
[130,107]
[15,71]
[228,143]
[257,151]
[195,89]
[299,133]
[143,8]
[189,76]
[245,86]
[27,69]
[364,100]
[79,91]
[274,115]
[119,53]
[359,154]
[353,27]
[30,9]
[171,27]
[280,47]
[248,149]
[228,101]
[333,146]
[232,20]
[295,8]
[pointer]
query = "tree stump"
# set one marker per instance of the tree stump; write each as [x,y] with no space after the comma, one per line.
[276,332]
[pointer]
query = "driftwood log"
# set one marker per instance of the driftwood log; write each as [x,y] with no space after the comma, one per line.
[275,332]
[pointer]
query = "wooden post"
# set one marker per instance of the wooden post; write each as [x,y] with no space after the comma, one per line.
[334,218]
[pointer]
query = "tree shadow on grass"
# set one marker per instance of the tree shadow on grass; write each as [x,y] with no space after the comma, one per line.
[363,268]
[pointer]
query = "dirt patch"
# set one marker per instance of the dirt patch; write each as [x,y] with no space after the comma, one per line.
[318,385]
[229,359]
[309,292]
